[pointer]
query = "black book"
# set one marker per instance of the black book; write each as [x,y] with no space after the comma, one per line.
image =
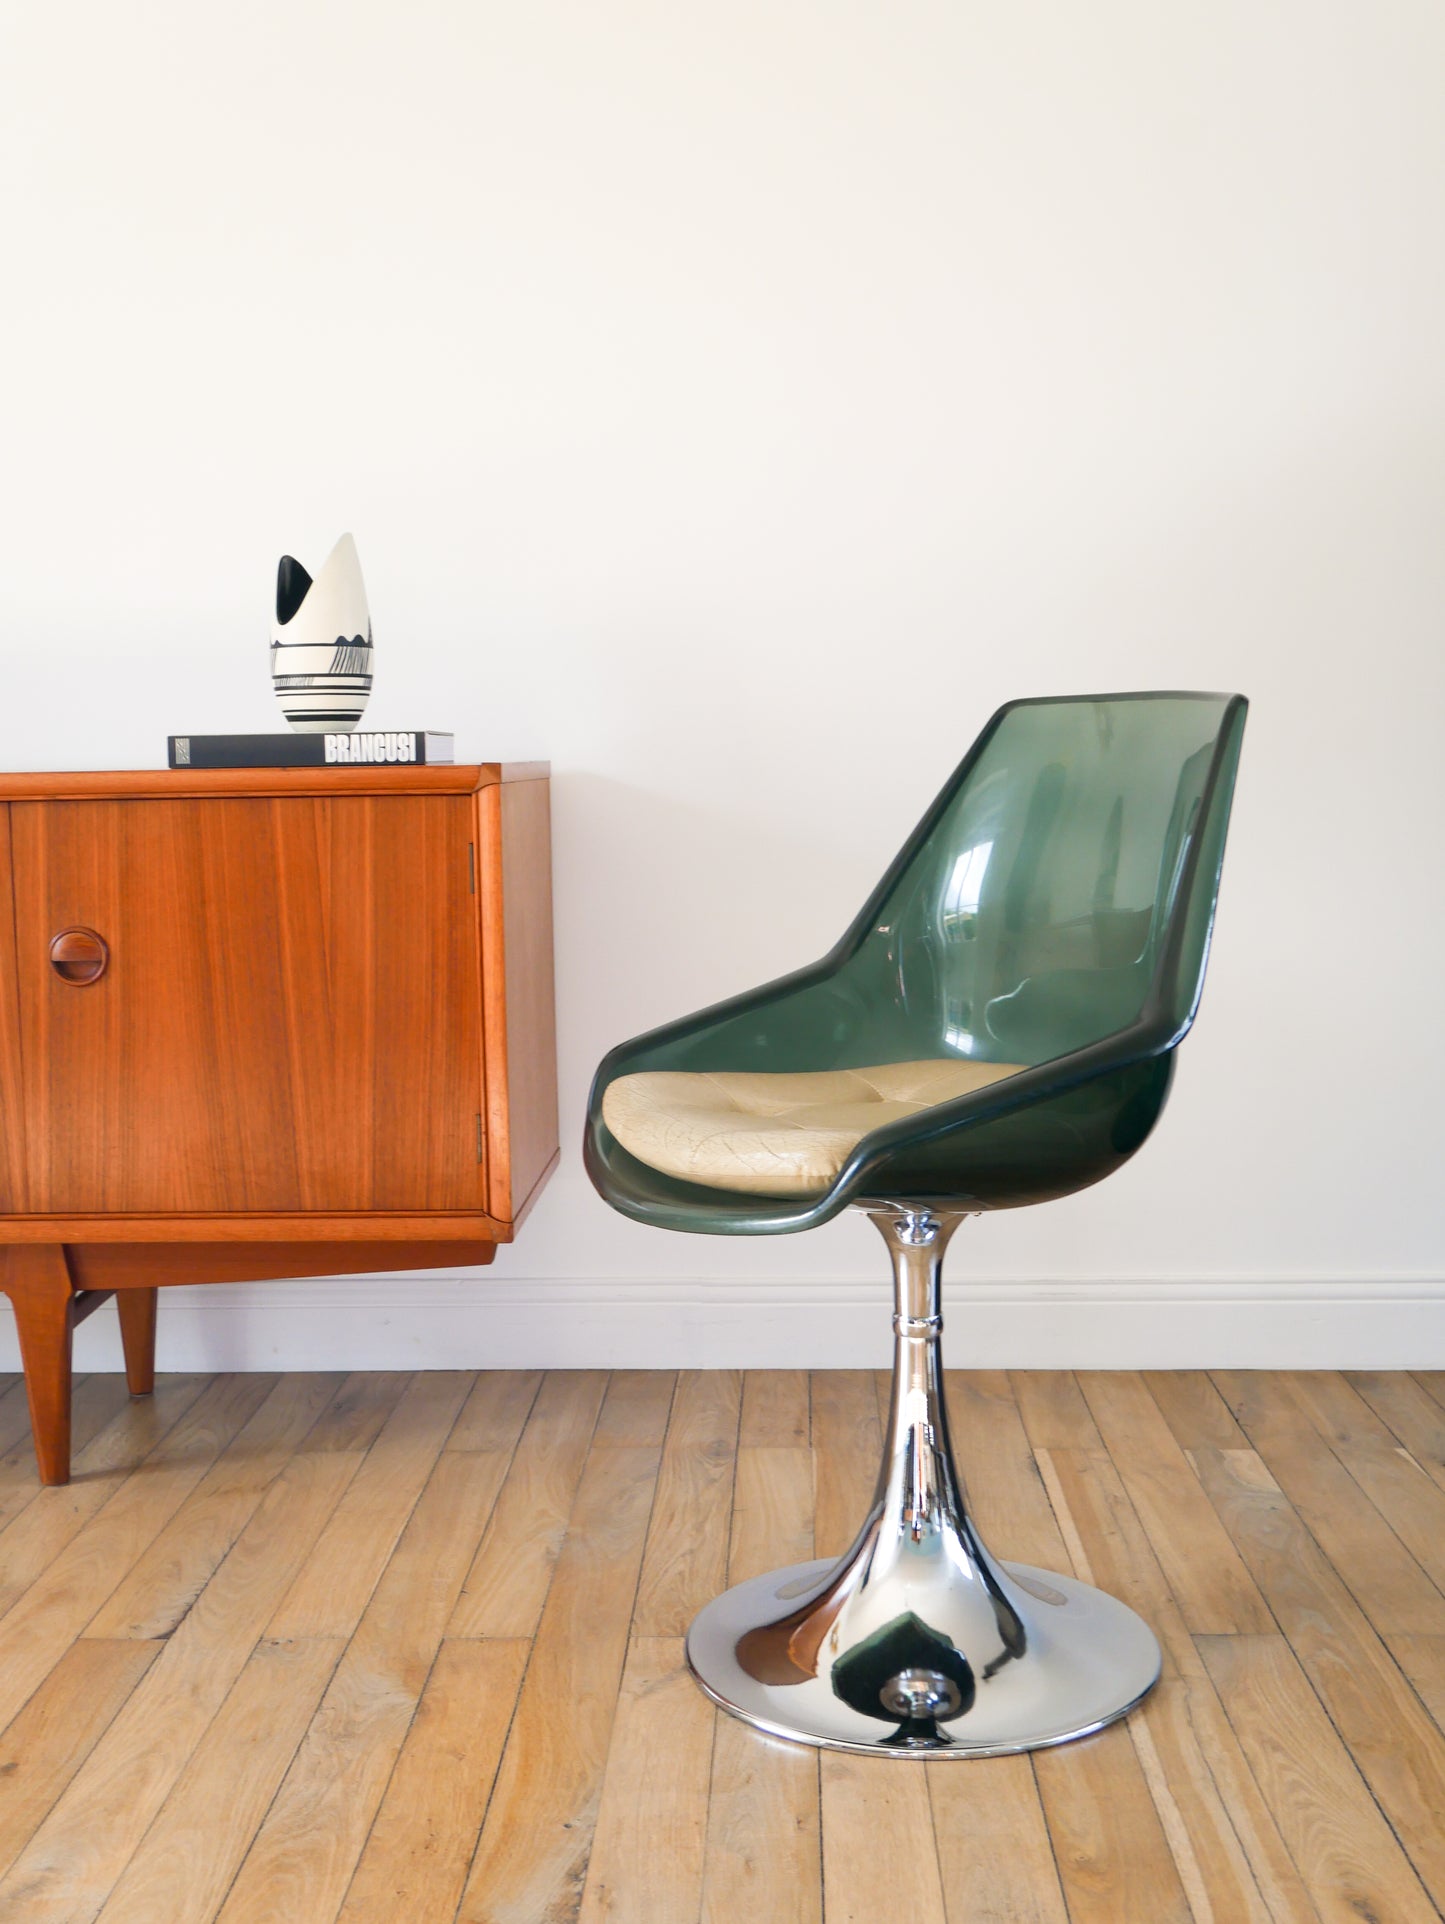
[368,746]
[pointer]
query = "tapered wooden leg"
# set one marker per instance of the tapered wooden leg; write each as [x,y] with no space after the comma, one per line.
[137,1309]
[37,1281]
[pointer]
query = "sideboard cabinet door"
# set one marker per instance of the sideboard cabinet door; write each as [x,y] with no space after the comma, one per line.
[286,1017]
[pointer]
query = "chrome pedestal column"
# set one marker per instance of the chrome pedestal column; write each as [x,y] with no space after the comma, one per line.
[919,1641]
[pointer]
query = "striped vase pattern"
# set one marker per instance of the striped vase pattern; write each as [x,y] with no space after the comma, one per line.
[321,642]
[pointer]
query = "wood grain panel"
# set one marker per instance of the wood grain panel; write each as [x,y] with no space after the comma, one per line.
[514,906]
[290,1019]
[165,784]
[269,1226]
[14,1185]
[164,1265]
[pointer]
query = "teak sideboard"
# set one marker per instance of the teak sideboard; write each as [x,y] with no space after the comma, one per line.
[259,1023]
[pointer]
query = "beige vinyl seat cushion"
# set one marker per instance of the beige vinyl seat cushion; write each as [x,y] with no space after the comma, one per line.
[781,1134]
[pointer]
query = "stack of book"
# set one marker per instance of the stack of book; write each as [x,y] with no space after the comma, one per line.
[344,750]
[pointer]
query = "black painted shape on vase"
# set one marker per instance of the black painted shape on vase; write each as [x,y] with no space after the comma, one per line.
[292,582]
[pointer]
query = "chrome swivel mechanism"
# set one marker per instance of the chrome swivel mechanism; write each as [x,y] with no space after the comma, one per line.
[918,1641]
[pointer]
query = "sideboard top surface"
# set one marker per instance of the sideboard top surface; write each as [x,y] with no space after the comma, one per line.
[164,784]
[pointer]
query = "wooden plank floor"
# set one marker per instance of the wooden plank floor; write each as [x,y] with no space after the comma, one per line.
[393,1649]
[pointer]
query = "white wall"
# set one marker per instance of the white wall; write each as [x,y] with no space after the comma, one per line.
[736,402]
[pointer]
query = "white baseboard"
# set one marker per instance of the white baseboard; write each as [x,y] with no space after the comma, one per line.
[435,1321]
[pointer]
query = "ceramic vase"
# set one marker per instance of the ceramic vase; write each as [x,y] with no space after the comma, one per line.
[321,642]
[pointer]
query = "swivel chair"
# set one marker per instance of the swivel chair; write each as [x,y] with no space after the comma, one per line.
[996,1028]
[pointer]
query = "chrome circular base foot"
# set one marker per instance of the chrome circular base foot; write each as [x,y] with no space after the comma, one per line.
[1028,1659]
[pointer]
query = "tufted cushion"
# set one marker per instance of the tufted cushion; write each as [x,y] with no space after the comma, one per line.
[776,1135]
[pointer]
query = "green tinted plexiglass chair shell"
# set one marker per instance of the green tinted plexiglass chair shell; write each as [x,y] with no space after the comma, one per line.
[1039,942]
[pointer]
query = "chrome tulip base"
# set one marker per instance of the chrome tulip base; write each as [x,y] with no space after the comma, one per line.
[918,1641]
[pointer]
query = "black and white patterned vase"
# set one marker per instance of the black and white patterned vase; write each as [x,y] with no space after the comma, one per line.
[321,642]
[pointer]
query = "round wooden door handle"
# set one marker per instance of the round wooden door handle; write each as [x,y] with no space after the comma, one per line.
[79,956]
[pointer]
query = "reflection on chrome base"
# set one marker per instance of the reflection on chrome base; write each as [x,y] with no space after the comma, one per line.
[917,1641]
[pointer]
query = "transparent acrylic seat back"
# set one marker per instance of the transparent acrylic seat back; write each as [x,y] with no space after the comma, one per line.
[1052,911]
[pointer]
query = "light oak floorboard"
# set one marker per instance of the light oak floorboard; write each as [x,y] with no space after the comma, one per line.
[687,1545]
[352,1420]
[1226,1847]
[1194,1410]
[43,1527]
[552,1769]
[647,1854]
[1214,1591]
[879,1857]
[1003,1488]
[772,1512]
[189,1855]
[847,1446]
[1354,1867]
[76,1856]
[1391,1737]
[1401,1489]
[1414,1419]
[338,1579]
[635,1409]
[46,1744]
[1423,1661]
[498,1405]
[507,1585]
[180,1561]
[1386,1581]
[416,1858]
[994,1854]
[96,1401]
[308,1846]
[371,1766]
[763,1841]
[1113,1857]
[63,1600]
[775,1410]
